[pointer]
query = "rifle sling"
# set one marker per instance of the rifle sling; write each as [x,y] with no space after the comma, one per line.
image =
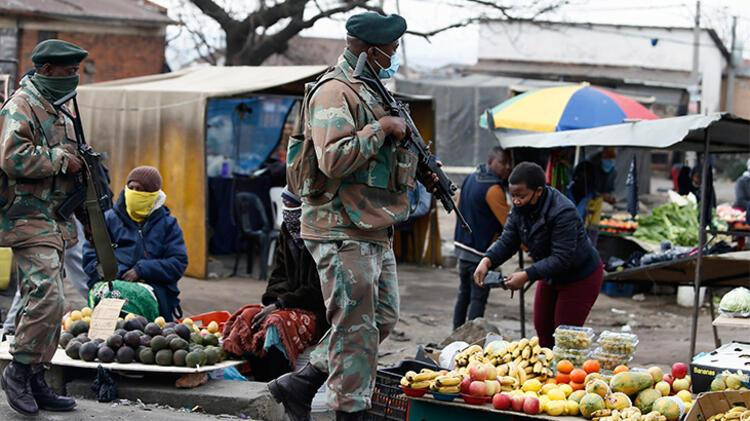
[99,234]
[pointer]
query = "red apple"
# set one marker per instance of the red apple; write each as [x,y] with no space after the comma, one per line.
[668,378]
[501,401]
[478,372]
[679,370]
[531,406]
[477,388]
[517,402]
[465,385]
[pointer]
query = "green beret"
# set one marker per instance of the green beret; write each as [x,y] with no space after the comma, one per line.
[376,29]
[55,51]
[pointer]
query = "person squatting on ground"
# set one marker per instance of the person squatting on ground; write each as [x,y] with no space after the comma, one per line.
[348,227]
[485,206]
[38,159]
[567,267]
[149,248]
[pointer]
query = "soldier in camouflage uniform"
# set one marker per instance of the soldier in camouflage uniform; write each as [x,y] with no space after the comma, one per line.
[37,162]
[347,226]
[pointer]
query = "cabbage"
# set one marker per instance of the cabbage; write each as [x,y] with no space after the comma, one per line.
[736,301]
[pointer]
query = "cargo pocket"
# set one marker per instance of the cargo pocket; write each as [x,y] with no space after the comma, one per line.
[406,169]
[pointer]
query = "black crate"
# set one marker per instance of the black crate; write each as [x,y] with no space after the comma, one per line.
[388,401]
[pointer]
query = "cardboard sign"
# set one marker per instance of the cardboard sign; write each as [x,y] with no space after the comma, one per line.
[104,318]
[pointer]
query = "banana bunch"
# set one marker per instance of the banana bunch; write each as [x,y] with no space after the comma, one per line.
[509,383]
[627,414]
[653,416]
[740,413]
[421,380]
[469,354]
[524,360]
[447,383]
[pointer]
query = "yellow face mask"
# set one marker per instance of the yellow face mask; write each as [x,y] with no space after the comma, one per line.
[139,204]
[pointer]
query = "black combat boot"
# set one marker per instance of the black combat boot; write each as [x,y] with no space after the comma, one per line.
[46,398]
[350,416]
[16,383]
[297,390]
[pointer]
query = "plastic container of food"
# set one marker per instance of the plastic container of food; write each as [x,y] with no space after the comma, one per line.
[610,361]
[574,337]
[576,356]
[622,343]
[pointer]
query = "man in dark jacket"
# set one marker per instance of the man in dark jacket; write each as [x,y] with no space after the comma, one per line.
[149,243]
[565,262]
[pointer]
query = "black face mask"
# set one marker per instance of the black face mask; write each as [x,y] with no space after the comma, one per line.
[528,208]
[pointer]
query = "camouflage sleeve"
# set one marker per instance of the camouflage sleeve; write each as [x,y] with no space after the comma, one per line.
[19,156]
[341,149]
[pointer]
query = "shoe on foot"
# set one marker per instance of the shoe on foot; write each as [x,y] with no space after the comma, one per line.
[16,384]
[297,390]
[46,398]
[350,416]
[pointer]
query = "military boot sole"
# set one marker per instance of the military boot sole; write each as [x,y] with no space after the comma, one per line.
[12,404]
[69,408]
[278,394]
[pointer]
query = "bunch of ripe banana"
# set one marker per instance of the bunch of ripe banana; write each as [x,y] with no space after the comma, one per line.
[740,413]
[627,414]
[522,360]
[436,381]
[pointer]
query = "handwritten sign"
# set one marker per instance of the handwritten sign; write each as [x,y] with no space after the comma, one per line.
[104,318]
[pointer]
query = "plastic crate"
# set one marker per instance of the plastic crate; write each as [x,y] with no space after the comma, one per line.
[388,401]
[616,289]
[202,320]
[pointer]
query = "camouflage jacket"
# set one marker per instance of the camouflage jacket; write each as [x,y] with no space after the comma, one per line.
[368,174]
[34,139]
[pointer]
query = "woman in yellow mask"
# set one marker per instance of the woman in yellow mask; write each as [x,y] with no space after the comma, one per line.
[149,248]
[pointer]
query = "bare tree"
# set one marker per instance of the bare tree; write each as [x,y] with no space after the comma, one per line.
[253,36]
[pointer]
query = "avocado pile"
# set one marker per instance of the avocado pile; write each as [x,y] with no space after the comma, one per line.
[137,340]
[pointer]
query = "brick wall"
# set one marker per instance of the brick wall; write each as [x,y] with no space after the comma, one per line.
[111,56]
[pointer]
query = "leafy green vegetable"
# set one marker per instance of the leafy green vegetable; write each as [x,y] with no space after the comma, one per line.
[678,224]
[736,301]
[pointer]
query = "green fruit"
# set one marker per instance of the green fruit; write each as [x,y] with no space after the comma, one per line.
[72,349]
[193,359]
[211,339]
[125,355]
[178,343]
[65,338]
[590,403]
[146,356]
[645,400]
[212,356]
[171,336]
[631,382]
[79,327]
[88,351]
[718,384]
[158,343]
[164,357]
[179,357]
[667,407]
[196,338]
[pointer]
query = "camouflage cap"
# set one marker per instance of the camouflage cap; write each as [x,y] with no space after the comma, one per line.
[55,51]
[376,29]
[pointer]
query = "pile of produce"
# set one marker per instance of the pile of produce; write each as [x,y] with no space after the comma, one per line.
[516,362]
[727,213]
[740,413]
[729,381]
[136,339]
[618,226]
[673,222]
[573,343]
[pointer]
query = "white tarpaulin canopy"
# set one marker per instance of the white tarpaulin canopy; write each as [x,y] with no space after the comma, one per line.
[728,133]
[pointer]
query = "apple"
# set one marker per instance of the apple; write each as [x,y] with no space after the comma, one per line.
[531,406]
[478,372]
[517,402]
[493,386]
[679,370]
[491,372]
[656,373]
[668,378]
[663,387]
[681,384]
[477,388]
[501,401]
[465,385]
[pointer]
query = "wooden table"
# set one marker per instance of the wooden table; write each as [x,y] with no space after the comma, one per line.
[725,321]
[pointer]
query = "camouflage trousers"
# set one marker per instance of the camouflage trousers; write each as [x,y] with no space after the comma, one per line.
[360,290]
[38,271]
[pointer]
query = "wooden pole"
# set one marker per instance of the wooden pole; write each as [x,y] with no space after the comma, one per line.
[701,243]
[522,299]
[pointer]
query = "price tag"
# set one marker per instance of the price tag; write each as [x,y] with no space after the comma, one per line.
[104,318]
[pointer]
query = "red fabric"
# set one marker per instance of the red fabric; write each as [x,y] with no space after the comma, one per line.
[566,304]
[295,327]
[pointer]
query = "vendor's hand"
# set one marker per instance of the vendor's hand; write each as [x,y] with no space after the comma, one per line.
[393,126]
[75,163]
[481,271]
[516,280]
[131,275]
[261,316]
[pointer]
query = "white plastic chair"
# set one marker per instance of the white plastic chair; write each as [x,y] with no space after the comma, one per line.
[277,206]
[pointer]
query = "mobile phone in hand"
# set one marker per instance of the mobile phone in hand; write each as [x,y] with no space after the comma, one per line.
[494,280]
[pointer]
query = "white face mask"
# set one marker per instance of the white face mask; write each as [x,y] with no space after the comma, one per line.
[390,71]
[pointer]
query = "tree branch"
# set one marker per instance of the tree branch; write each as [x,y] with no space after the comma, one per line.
[215,12]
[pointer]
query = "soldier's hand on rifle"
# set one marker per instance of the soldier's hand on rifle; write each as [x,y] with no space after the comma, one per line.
[75,163]
[131,275]
[394,126]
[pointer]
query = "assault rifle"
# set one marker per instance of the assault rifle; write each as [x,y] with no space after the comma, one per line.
[428,163]
[90,195]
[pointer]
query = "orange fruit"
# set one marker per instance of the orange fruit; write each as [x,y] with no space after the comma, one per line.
[592,366]
[578,376]
[551,381]
[565,367]
[562,378]
[577,386]
[621,369]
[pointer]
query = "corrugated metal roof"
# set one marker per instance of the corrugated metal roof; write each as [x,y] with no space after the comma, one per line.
[140,11]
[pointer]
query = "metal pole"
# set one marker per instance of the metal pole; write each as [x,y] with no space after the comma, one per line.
[521,298]
[701,243]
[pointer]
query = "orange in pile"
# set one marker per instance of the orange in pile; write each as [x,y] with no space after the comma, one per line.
[567,373]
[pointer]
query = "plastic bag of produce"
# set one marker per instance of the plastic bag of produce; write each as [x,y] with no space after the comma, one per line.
[736,303]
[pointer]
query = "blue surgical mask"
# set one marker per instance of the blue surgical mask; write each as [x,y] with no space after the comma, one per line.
[387,73]
[608,165]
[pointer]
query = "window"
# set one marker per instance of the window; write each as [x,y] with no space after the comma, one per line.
[45,35]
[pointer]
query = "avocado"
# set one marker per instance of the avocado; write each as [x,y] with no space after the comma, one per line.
[211,339]
[138,353]
[133,324]
[125,355]
[83,338]
[99,341]
[105,354]
[172,336]
[65,337]
[152,329]
[79,327]
[132,339]
[72,349]
[178,357]
[193,359]
[145,340]
[120,331]
[158,343]
[164,357]
[196,338]
[167,331]
[146,356]
[142,320]
[178,343]
[212,356]
[88,351]
[170,325]
[115,341]
[120,325]
[183,331]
